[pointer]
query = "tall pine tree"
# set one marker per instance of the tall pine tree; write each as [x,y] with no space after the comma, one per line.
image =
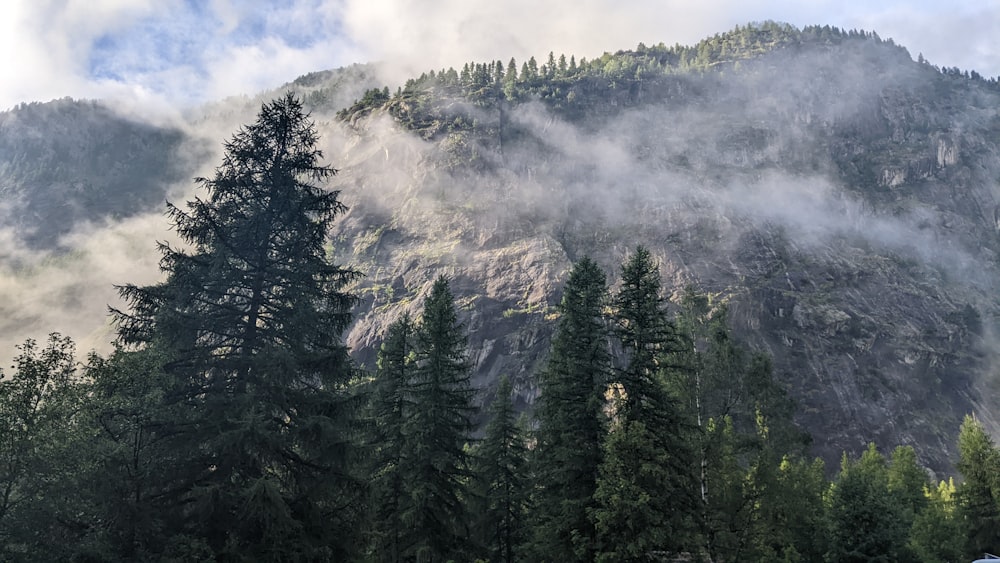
[979,494]
[251,318]
[501,460]
[647,451]
[391,404]
[437,431]
[570,420]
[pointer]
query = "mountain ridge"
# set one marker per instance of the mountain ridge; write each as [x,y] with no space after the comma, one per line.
[837,195]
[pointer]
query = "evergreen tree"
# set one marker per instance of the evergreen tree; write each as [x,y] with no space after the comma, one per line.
[647,451]
[501,465]
[979,494]
[632,520]
[251,320]
[570,420]
[744,419]
[391,404]
[908,482]
[437,431]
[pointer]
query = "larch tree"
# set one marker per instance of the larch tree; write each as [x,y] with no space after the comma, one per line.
[979,493]
[251,317]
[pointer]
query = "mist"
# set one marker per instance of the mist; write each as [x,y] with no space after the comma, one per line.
[843,210]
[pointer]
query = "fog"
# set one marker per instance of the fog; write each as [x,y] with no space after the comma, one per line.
[831,156]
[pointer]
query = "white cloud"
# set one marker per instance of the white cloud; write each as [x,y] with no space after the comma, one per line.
[171,52]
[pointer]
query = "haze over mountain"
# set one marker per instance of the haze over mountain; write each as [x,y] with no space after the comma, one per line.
[840,196]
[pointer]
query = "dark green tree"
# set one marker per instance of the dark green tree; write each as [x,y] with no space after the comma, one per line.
[648,450]
[437,431]
[570,420]
[391,404]
[979,493]
[908,483]
[867,523]
[132,453]
[744,418]
[501,472]
[251,320]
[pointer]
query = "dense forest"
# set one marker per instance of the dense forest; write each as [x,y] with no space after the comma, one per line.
[234,421]
[231,423]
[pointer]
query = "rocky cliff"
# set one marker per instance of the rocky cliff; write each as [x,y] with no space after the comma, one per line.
[838,195]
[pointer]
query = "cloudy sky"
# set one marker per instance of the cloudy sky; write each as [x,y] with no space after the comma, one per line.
[176,53]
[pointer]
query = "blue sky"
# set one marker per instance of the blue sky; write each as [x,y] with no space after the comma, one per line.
[168,54]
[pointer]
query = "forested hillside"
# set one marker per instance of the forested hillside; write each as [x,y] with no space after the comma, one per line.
[630,308]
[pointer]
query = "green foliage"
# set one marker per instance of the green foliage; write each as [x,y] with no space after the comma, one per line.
[436,432]
[42,516]
[979,494]
[250,321]
[570,425]
[502,480]
[391,399]
[937,535]
[791,522]
[645,493]
[639,514]
[867,521]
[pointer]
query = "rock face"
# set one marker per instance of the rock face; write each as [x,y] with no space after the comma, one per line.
[840,198]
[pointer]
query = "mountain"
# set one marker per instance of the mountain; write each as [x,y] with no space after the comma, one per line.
[837,195]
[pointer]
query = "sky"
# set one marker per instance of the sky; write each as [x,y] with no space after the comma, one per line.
[173,54]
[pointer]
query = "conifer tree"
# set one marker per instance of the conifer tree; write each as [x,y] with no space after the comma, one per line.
[652,457]
[437,431]
[391,404]
[501,466]
[251,319]
[570,420]
[937,533]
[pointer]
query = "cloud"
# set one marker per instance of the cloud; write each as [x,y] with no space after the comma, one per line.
[166,54]
[417,36]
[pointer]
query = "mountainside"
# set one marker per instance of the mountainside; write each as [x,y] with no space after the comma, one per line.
[839,196]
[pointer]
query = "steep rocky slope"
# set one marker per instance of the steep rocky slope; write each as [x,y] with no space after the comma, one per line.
[838,195]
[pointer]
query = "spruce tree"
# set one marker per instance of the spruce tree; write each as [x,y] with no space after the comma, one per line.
[437,431]
[570,420]
[391,404]
[651,457]
[501,465]
[250,317]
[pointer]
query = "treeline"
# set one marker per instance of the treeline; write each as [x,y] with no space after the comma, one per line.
[562,81]
[230,424]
